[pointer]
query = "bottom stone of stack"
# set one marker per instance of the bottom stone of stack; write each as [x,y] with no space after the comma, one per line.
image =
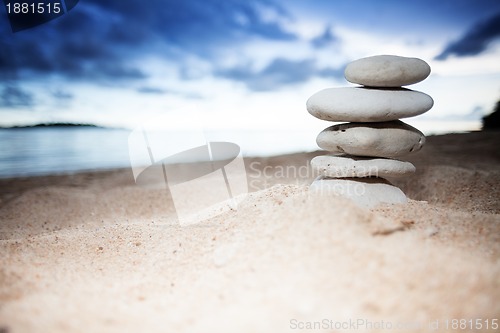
[365,192]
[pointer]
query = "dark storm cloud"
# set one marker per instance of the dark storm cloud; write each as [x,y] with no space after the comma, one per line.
[75,51]
[475,40]
[101,39]
[14,97]
[278,73]
[184,22]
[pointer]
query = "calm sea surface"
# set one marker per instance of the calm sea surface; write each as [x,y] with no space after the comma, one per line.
[53,150]
[38,151]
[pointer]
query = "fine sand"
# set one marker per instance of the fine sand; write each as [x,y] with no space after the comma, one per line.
[94,252]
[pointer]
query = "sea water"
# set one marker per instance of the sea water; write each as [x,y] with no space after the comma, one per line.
[49,150]
[55,150]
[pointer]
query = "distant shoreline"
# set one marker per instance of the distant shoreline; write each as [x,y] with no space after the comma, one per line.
[58,125]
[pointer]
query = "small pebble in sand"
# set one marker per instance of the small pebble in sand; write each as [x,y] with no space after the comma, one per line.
[431,231]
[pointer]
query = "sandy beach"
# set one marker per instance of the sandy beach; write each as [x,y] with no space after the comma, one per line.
[94,252]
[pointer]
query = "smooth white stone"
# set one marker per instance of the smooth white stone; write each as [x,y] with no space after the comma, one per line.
[387,71]
[365,192]
[384,139]
[352,166]
[360,104]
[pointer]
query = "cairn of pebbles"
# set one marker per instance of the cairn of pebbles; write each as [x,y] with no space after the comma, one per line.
[362,151]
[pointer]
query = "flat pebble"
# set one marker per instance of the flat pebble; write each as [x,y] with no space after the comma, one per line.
[351,166]
[387,71]
[361,104]
[382,139]
[365,192]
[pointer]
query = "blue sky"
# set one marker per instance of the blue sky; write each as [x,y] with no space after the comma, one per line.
[241,64]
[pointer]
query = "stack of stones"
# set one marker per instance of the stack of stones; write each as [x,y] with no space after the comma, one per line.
[362,151]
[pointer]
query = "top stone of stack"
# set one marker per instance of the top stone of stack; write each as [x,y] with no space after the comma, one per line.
[387,71]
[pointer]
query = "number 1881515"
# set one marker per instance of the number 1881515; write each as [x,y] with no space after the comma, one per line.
[33,8]
[471,324]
